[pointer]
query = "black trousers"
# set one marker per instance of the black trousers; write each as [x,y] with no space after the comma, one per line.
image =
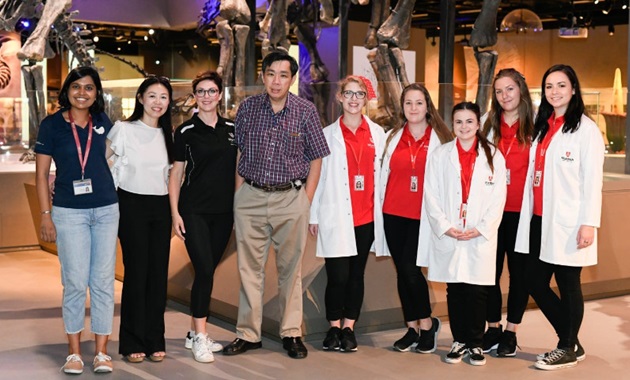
[413,290]
[564,312]
[145,237]
[467,312]
[345,287]
[207,236]
[518,294]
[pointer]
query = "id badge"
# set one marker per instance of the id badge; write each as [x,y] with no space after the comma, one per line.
[507,176]
[82,186]
[359,183]
[537,177]
[462,211]
[413,185]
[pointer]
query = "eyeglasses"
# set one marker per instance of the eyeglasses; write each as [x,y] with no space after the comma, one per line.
[349,94]
[200,92]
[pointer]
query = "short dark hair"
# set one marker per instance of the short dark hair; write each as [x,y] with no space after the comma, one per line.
[280,56]
[208,75]
[77,73]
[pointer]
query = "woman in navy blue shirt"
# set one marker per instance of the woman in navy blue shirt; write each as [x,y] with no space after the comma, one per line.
[84,216]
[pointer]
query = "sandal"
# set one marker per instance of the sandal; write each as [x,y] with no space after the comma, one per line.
[136,357]
[157,356]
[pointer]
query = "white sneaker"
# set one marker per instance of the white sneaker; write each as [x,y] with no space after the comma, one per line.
[74,365]
[201,349]
[190,336]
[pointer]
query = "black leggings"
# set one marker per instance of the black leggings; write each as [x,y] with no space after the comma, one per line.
[345,287]
[207,236]
[413,290]
[565,313]
[518,294]
[145,238]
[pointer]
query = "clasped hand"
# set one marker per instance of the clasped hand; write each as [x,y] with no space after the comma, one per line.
[462,235]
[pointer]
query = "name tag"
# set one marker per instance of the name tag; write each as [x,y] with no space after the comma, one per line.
[413,186]
[82,186]
[537,178]
[359,183]
[507,176]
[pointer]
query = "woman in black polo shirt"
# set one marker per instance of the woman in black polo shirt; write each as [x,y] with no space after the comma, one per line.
[201,205]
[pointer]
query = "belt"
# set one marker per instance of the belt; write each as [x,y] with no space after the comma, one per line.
[294,184]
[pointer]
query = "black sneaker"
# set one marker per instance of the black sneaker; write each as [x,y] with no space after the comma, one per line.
[557,359]
[507,344]
[428,338]
[579,353]
[348,340]
[475,355]
[456,354]
[332,341]
[408,341]
[491,339]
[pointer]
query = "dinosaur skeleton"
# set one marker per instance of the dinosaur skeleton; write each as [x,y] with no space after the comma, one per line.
[55,24]
[388,34]
[484,34]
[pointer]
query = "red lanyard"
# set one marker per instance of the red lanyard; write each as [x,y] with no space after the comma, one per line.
[82,159]
[413,155]
[509,149]
[358,160]
[467,180]
[542,147]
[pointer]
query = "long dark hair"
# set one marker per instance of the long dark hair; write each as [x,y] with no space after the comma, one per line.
[574,111]
[481,138]
[525,110]
[77,73]
[165,120]
[433,117]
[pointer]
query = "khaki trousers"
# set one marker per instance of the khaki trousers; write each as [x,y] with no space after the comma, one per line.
[262,218]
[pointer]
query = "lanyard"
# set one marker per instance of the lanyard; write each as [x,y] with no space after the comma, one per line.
[414,154]
[467,180]
[542,147]
[82,159]
[357,159]
[509,149]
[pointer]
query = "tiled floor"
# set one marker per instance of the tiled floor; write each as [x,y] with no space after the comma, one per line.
[32,343]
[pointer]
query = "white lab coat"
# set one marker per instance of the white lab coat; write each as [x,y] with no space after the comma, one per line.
[572,196]
[450,260]
[332,207]
[434,142]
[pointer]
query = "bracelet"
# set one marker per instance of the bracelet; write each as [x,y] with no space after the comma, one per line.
[46,212]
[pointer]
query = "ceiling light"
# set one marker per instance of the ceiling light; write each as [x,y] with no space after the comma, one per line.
[521,20]
[151,31]
[95,39]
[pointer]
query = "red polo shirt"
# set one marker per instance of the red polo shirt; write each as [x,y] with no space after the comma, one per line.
[516,162]
[360,153]
[539,165]
[409,159]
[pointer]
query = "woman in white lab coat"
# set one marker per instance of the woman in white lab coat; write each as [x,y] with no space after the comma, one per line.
[562,209]
[465,190]
[407,148]
[345,213]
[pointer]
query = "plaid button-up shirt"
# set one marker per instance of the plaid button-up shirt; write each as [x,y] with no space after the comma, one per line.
[278,147]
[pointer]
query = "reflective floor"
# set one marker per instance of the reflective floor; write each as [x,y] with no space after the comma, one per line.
[32,342]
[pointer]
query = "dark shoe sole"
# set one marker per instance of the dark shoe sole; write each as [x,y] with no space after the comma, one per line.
[252,346]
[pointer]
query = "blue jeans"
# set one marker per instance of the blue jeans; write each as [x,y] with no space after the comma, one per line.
[86,245]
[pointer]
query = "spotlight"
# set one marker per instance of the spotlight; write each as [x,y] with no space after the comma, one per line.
[157,61]
[25,24]
[95,39]
[146,38]
[151,32]
[596,2]
[129,42]
[611,30]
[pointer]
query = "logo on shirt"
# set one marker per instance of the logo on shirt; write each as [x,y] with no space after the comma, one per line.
[490,181]
[99,130]
[567,157]
[184,129]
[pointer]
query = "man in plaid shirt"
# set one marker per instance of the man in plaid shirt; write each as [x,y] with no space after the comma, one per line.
[281,145]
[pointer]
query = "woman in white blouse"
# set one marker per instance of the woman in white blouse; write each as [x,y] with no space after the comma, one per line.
[142,146]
